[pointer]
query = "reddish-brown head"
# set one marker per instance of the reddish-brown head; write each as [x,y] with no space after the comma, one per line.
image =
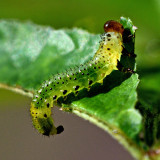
[113,26]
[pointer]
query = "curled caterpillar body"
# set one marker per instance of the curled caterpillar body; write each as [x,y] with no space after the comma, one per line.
[103,63]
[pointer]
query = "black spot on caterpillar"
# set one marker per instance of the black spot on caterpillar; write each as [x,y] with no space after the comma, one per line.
[105,60]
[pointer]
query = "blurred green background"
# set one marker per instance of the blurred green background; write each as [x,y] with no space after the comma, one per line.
[89,15]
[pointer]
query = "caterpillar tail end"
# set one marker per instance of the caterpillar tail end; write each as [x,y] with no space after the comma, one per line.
[43,121]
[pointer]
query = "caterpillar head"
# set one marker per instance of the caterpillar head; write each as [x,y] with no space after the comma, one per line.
[111,41]
[113,26]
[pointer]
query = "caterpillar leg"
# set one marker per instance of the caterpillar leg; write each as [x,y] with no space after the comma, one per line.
[126,53]
[127,36]
[123,69]
[60,129]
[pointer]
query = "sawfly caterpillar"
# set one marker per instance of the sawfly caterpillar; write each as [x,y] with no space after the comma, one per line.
[106,59]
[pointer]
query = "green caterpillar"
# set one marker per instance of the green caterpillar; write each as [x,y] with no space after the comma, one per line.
[105,60]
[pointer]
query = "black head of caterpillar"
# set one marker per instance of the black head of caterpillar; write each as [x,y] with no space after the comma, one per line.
[72,82]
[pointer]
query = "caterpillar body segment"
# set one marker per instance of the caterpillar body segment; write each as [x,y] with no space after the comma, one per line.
[94,71]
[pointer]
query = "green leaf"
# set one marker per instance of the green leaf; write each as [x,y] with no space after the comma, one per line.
[113,106]
[31,53]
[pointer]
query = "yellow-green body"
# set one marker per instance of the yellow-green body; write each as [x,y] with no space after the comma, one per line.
[73,81]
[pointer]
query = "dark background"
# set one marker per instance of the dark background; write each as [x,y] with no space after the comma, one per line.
[81,140]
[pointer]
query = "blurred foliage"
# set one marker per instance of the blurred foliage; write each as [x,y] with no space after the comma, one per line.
[91,15]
